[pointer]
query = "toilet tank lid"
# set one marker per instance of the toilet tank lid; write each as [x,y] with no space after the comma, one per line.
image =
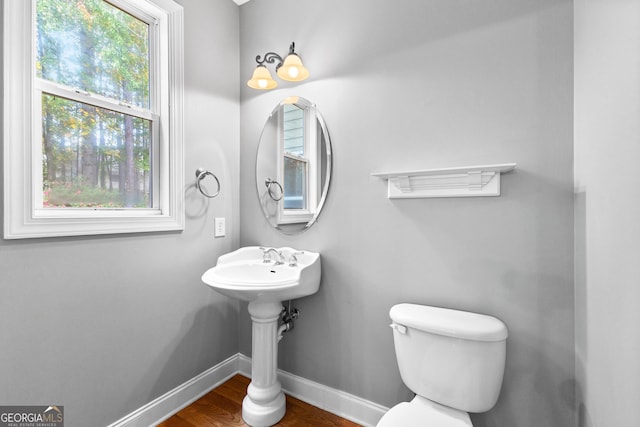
[449,322]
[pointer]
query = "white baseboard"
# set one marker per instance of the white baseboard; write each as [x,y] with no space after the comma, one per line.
[345,405]
[180,397]
[338,402]
[244,365]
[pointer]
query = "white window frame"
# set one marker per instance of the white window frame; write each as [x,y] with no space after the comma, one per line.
[294,216]
[24,216]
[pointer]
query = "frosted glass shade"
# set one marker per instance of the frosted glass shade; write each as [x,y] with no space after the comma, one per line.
[262,79]
[292,69]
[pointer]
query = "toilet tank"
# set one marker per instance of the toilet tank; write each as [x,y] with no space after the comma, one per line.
[455,358]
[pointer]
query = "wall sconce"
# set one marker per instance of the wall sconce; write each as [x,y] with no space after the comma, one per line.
[289,69]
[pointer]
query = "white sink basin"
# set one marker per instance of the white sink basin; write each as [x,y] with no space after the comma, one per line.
[242,274]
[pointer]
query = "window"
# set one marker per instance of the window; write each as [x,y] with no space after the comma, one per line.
[93,110]
[298,169]
[295,163]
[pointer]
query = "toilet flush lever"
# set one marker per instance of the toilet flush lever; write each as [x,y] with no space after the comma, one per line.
[400,328]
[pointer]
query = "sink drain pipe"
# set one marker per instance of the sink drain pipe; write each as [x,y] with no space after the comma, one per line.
[286,317]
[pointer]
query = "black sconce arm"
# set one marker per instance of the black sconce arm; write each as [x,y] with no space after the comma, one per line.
[270,57]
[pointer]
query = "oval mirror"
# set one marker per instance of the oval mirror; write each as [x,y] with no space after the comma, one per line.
[293,165]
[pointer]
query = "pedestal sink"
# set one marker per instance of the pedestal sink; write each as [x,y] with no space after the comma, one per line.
[265,277]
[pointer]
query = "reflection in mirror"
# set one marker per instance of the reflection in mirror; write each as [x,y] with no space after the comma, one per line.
[293,165]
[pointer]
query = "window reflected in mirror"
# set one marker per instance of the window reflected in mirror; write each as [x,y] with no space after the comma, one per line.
[294,157]
[295,164]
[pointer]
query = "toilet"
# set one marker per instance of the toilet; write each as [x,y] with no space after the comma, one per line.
[452,360]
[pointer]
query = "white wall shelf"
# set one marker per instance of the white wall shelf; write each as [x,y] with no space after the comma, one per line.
[467,181]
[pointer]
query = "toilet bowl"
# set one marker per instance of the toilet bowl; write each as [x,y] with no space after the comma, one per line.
[452,360]
[421,412]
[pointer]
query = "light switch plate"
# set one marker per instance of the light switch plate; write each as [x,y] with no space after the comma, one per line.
[220,227]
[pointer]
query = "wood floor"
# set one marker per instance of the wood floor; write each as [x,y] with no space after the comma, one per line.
[222,407]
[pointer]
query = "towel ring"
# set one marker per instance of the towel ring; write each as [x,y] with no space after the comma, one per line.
[202,174]
[268,183]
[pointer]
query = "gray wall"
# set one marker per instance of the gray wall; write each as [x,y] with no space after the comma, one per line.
[419,84]
[607,131]
[103,325]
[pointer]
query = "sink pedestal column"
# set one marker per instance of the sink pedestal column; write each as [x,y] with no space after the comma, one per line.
[264,405]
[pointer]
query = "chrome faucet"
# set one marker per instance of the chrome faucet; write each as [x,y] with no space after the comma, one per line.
[272,254]
[293,259]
